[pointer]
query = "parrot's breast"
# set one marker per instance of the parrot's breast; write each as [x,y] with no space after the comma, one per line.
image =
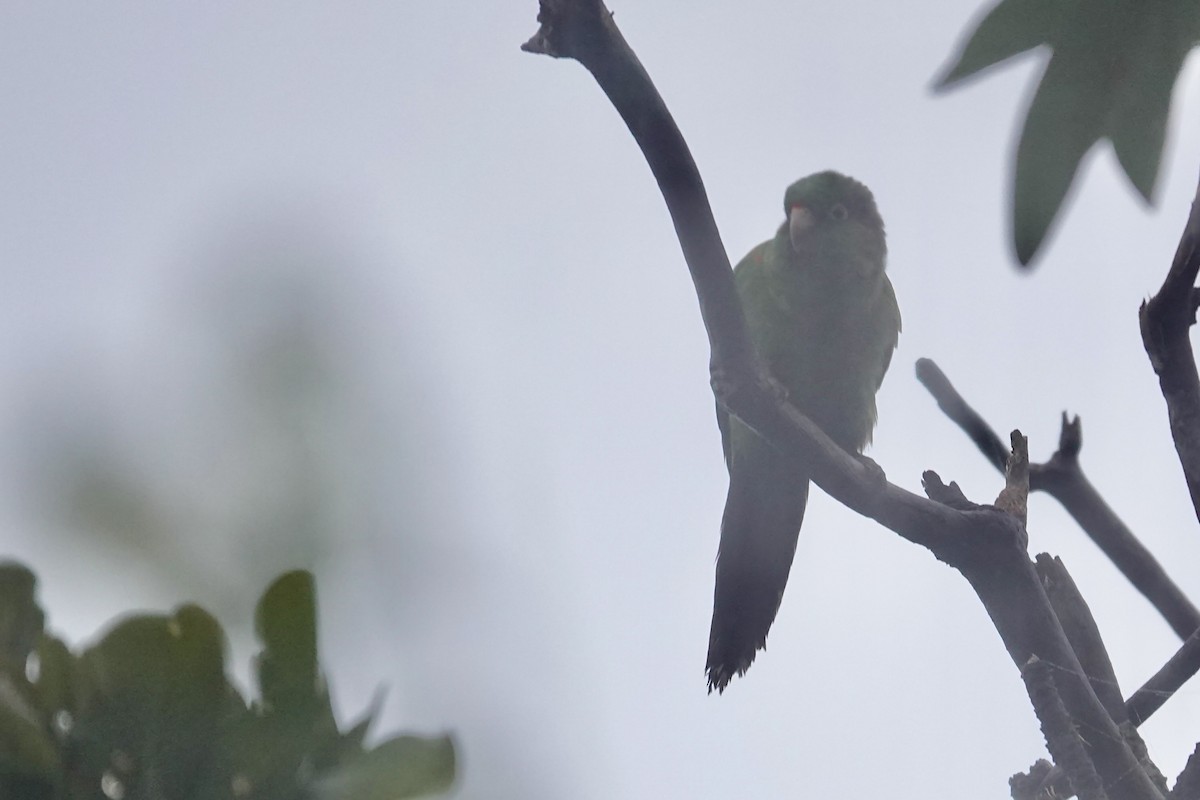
[825,341]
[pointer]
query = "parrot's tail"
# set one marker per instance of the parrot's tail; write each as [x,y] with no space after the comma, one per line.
[759,530]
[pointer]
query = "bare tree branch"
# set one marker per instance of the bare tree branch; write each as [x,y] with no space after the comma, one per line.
[1164,683]
[1187,785]
[986,544]
[1042,784]
[585,31]
[1062,478]
[960,412]
[1083,634]
[1062,738]
[1014,498]
[1138,745]
[1030,785]
[1166,319]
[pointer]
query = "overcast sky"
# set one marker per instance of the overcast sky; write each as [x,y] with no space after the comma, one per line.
[363,286]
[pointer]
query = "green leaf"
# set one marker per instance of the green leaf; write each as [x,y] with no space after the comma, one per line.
[1138,121]
[21,619]
[292,733]
[1008,29]
[1060,128]
[26,747]
[286,622]
[1113,69]
[152,697]
[406,766]
[272,752]
[353,738]
[149,706]
[55,684]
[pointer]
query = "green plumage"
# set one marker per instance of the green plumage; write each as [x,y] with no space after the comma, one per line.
[824,319]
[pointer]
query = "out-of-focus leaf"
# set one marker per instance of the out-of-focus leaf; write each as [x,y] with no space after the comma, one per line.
[21,619]
[153,693]
[286,622]
[1137,124]
[197,655]
[1006,30]
[406,766]
[1062,124]
[26,747]
[293,733]
[54,687]
[27,788]
[197,696]
[272,753]
[1111,75]
[149,712]
[29,756]
[353,738]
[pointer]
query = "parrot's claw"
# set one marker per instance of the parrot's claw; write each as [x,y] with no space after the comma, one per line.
[719,380]
[725,386]
[778,390]
[875,473]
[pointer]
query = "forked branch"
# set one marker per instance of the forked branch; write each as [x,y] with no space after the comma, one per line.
[1062,477]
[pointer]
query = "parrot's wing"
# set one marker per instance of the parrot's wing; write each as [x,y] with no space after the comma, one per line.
[741,273]
[891,325]
[723,424]
[887,362]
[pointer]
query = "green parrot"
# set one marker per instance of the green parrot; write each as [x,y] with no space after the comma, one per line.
[823,317]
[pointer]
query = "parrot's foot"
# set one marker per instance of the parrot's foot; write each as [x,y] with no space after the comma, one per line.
[947,494]
[778,390]
[724,386]
[875,473]
[719,380]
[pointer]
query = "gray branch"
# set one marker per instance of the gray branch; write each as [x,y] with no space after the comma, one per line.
[1166,319]
[1062,478]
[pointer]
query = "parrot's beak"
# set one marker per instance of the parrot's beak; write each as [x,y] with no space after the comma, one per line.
[800,220]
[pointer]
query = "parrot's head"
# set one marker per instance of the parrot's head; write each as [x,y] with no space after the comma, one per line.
[832,223]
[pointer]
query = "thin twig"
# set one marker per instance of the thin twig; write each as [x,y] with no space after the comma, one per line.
[1164,683]
[1062,478]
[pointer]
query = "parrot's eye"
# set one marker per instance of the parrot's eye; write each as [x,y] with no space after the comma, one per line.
[838,212]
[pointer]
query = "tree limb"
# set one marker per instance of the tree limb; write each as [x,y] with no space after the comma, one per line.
[1187,785]
[1062,738]
[1083,634]
[1164,683]
[1062,478]
[987,545]
[1166,319]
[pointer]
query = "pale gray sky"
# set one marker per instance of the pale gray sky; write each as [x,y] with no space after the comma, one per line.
[496,436]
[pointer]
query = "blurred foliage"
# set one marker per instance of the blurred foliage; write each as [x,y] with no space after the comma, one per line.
[148,712]
[1113,66]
